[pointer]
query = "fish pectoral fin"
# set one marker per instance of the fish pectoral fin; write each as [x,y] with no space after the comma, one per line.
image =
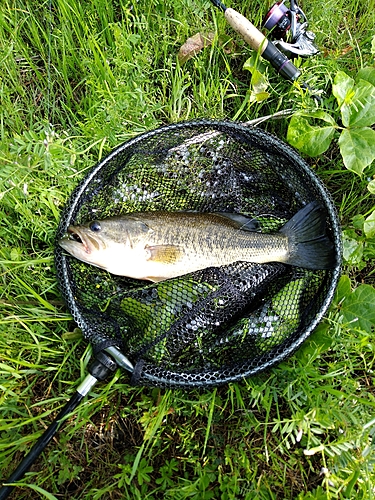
[166,254]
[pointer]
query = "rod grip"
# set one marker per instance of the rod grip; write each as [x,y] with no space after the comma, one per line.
[280,62]
[246,29]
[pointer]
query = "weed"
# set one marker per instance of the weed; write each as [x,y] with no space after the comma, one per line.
[313,131]
[76,80]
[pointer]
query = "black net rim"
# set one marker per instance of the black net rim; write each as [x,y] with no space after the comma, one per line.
[220,376]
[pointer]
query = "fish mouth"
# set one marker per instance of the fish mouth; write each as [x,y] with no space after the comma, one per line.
[73,234]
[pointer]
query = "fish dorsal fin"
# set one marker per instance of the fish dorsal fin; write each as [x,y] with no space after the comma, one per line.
[166,254]
[241,221]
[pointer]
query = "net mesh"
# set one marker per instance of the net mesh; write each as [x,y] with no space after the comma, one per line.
[218,324]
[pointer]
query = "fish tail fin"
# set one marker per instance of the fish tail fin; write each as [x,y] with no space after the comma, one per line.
[309,246]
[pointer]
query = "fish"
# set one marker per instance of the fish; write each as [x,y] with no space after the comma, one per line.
[157,245]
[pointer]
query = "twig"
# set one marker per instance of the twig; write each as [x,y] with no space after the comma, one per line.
[277,115]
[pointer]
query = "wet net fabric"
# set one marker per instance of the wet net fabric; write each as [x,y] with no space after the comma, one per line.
[219,324]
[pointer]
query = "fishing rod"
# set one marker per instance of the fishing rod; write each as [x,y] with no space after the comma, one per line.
[101,367]
[295,40]
[284,22]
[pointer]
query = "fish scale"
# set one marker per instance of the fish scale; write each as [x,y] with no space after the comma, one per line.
[214,242]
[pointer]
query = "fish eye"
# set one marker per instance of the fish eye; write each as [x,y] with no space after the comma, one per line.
[95,226]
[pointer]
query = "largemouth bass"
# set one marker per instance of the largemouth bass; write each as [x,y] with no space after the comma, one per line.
[160,245]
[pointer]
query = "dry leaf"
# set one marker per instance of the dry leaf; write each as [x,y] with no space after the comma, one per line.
[193,45]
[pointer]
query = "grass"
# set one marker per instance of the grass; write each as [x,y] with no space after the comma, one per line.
[76,80]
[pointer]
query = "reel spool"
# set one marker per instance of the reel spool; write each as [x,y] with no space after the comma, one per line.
[278,18]
[289,28]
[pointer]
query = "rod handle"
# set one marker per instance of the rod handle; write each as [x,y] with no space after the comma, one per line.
[259,42]
[39,446]
[100,368]
[246,29]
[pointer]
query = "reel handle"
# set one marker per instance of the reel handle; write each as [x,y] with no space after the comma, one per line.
[259,42]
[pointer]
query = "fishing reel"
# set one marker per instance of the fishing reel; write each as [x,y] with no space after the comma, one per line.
[289,28]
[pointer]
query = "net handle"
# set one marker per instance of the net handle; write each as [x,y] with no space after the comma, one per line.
[102,366]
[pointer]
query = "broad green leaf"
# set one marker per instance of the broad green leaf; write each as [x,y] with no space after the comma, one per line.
[358,110]
[343,289]
[259,86]
[311,139]
[258,96]
[254,63]
[342,87]
[369,225]
[367,73]
[357,147]
[259,82]
[358,221]
[352,250]
[371,186]
[359,307]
